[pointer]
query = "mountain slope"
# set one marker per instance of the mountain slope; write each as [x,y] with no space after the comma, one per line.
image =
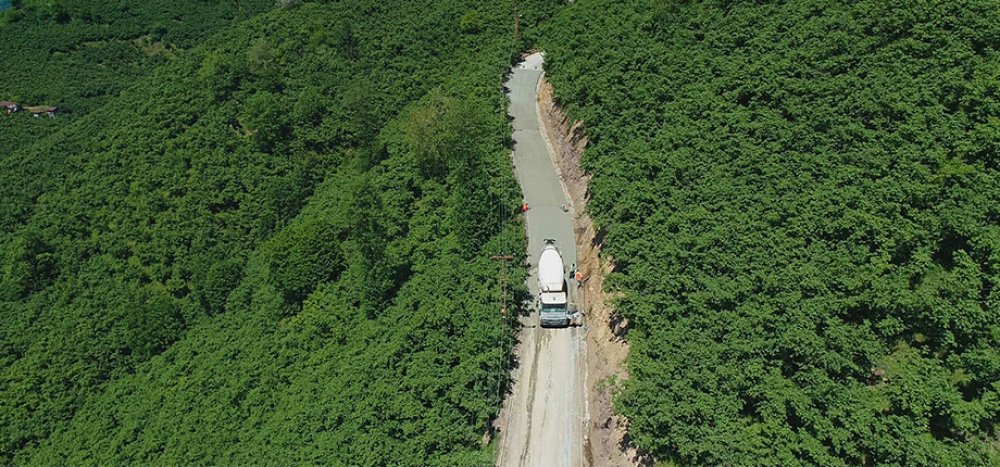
[801,201]
[77,55]
[301,204]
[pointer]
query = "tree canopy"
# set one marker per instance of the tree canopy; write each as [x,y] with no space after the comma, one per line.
[801,199]
[247,256]
[76,55]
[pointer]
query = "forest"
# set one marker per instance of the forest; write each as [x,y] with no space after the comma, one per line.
[270,247]
[76,55]
[801,199]
[259,232]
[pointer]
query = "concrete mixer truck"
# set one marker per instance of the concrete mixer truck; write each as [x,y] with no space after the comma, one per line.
[552,288]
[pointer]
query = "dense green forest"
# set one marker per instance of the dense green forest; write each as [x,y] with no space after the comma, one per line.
[802,199]
[260,232]
[271,248]
[76,55]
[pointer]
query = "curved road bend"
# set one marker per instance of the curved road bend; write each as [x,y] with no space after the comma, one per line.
[546,409]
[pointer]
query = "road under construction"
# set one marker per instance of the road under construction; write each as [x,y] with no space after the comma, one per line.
[545,413]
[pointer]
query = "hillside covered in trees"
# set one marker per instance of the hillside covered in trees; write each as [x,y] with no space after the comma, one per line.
[260,234]
[271,248]
[802,200]
[75,55]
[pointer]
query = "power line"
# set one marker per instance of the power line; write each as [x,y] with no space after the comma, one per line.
[502,258]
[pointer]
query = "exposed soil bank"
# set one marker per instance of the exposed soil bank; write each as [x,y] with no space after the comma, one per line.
[605,349]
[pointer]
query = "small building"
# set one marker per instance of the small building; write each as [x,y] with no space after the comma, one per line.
[9,107]
[38,110]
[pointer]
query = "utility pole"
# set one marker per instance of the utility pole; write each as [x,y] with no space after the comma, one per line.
[503,280]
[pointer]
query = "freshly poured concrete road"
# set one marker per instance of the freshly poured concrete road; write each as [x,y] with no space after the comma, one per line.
[546,410]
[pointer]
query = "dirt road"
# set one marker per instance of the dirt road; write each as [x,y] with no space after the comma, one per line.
[546,412]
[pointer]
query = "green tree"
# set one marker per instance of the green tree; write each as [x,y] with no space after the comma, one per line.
[434,132]
[471,22]
[263,118]
[29,266]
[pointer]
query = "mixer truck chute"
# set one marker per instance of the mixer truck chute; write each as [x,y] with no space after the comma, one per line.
[552,287]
